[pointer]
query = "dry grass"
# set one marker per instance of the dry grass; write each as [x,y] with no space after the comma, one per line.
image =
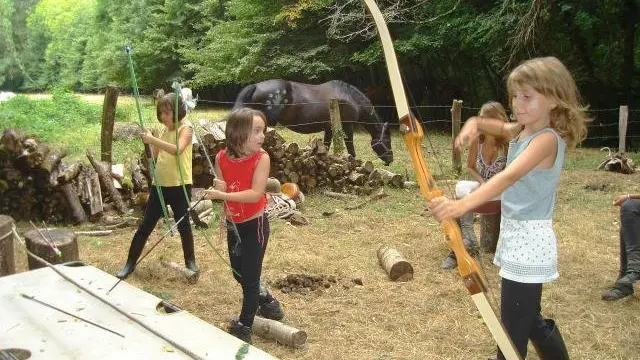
[430,317]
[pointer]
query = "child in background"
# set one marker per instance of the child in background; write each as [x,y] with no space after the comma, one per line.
[487,157]
[165,151]
[545,102]
[242,170]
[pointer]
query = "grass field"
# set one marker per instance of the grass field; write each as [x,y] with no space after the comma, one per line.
[430,317]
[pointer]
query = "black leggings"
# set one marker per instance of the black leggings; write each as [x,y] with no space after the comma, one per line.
[520,313]
[246,252]
[173,196]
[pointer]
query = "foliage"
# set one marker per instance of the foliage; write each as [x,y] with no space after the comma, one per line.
[444,47]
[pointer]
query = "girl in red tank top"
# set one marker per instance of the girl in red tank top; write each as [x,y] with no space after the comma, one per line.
[242,170]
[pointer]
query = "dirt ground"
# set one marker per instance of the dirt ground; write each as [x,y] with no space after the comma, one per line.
[328,279]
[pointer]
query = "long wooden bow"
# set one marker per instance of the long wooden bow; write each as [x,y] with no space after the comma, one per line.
[412,134]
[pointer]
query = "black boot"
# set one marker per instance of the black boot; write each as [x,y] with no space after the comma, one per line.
[552,346]
[189,255]
[137,244]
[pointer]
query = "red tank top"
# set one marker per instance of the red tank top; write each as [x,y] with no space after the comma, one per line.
[238,174]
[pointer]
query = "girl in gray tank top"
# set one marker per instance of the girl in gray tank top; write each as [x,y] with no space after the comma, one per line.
[545,102]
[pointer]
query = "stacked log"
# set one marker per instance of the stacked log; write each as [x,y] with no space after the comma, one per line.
[311,167]
[37,184]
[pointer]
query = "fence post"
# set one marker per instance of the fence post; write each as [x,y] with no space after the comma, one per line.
[622,128]
[336,127]
[108,118]
[456,115]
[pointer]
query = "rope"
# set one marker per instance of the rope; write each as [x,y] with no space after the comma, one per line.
[105,301]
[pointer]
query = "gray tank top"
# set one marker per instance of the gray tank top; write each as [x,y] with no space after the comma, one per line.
[534,195]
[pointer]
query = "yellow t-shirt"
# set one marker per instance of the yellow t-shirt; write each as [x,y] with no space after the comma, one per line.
[166,164]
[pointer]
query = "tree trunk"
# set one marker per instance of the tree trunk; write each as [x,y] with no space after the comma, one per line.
[489,231]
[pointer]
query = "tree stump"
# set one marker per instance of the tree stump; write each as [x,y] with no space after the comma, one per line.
[394,264]
[489,231]
[7,260]
[64,240]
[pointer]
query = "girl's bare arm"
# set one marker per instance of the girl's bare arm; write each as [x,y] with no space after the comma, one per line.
[540,150]
[494,127]
[184,139]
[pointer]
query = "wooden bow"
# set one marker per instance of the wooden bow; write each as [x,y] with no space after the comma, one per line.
[412,134]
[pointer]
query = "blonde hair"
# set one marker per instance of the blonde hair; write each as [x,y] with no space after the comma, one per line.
[549,77]
[495,110]
[238,129]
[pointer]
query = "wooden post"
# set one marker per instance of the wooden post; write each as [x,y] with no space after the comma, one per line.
[108,118]
[336,127]
[456,117]
[394,264]
[7,260]
[65,241]
[622,128]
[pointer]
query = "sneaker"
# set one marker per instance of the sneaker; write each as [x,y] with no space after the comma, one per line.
[271,310]
[616,293]
[629,278]
[449,262]
[237,329]
[280,207]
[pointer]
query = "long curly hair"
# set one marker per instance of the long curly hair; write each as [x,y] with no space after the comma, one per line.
[549,77]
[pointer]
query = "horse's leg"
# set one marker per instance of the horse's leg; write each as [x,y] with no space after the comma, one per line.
[348,142]
[328,136]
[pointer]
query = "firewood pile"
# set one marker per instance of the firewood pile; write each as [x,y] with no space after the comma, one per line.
[37,184]
[310,167]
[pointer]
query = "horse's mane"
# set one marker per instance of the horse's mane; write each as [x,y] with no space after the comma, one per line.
[244,96]
[359,98]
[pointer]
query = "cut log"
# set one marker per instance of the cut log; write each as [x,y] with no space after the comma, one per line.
[388,178]
[65,240]
[106,182]
[394,264]
[7,260]
[69,173]
[12,140]
[77,212]
[191,276]
[378,195]
[282,333]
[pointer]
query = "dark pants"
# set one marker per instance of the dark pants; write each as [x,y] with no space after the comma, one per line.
[173,196]
[629,240]
[247,243]
[520,313]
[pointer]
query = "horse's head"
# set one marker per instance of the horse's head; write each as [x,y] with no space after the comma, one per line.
[381,144]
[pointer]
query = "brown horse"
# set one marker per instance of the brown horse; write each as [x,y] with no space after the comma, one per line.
[304,108]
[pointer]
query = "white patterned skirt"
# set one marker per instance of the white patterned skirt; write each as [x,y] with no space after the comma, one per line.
[527,251]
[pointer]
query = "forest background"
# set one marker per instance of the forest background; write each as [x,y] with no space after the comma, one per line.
[447,49]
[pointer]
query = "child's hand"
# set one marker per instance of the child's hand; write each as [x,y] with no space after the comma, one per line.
[468,133]
[443,208]
[213,194]
[219,185]
[145,136]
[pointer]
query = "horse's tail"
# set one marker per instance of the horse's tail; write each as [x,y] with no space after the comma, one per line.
[244,96]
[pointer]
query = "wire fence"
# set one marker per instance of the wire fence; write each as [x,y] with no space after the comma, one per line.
[602,131]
